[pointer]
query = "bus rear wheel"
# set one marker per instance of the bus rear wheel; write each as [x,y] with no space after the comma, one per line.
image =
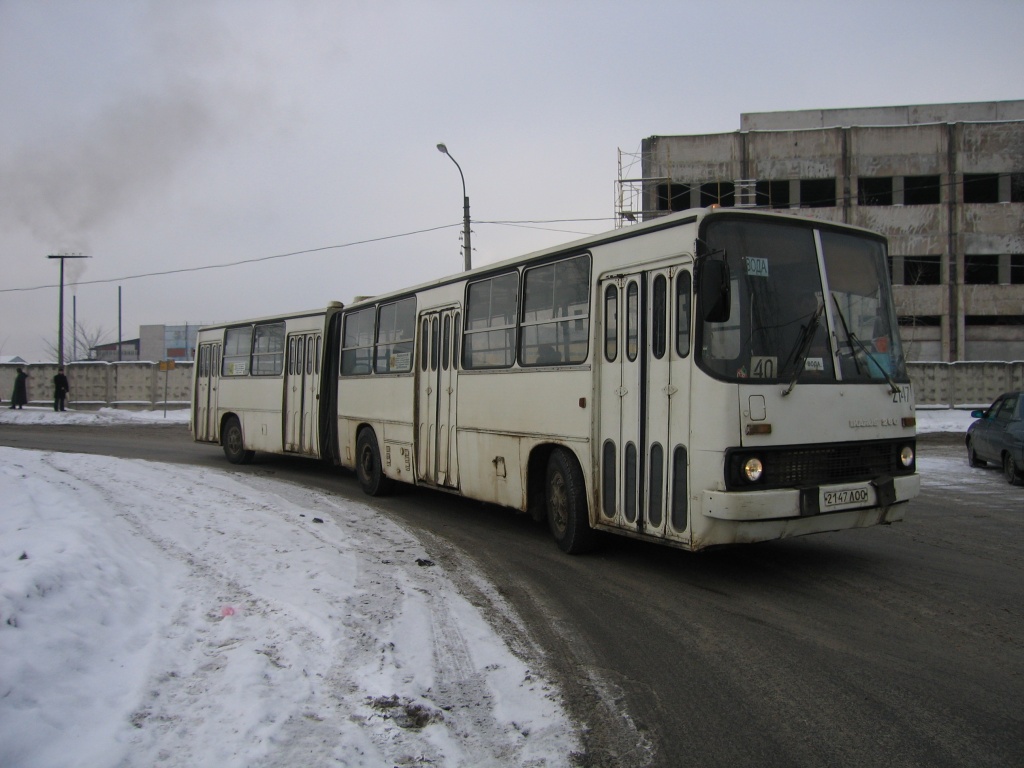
[369,470]
[231,439]
[566,497]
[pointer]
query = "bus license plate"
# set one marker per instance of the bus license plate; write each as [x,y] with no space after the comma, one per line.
[845,498]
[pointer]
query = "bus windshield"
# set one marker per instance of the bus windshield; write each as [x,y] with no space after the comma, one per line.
[807,305]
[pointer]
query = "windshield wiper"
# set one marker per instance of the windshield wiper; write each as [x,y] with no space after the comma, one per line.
[804,346]
[858,345]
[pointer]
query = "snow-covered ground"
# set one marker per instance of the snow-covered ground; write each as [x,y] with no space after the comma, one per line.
[158,615]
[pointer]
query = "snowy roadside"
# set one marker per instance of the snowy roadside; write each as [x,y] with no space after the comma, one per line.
[165,615]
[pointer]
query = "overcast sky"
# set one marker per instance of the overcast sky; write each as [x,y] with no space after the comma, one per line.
[178,135]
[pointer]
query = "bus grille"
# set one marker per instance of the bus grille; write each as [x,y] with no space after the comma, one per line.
[825,464]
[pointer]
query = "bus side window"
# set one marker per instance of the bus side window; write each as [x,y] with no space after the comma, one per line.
[424,343]
[611,323]
[683,293]
[396,325]
[659,317]
[446,341]
[357,342]
[456,340]
[268,349]
[556,313]
[632,320]
[489,334]
[237,348]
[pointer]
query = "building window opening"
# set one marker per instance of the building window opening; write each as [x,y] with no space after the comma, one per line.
[919,321]
[922,270]
[721,193]
[674,197]
[994,320]
[772,194]
[817,193]
[1017,187]
[981,187]
[921,190]
[1017,269]
[874,191]
[981,269]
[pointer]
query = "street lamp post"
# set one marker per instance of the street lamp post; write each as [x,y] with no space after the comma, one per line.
[465,209]
[60,312]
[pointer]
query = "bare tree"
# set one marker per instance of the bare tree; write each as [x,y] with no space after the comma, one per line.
[79,342]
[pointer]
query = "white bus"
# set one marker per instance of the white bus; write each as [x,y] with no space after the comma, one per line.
[711,377]
[259,386]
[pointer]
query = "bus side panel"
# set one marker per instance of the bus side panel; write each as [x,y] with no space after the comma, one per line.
[257,402]
[502,417]
[386,404]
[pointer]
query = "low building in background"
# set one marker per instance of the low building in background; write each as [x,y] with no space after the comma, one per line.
[155,343]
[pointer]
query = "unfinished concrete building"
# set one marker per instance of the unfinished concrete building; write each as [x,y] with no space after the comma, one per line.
[944,182]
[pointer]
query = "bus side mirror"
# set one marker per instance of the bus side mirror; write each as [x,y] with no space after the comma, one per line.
[715,291]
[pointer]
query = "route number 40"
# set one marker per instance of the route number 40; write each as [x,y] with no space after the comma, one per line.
[763,367]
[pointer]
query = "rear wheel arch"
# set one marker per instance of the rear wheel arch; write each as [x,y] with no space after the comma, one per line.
[369,465]
[232,439]
[568,508]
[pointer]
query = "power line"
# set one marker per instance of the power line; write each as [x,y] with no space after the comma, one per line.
[240,262]
[303,252]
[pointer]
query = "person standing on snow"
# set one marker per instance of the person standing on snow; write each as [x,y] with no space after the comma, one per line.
[60,389]
[20,396]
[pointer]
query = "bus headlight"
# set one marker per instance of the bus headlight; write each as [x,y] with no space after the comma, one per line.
[753,469]
[907,456]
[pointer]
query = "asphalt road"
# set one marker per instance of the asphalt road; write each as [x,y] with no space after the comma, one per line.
[893,646]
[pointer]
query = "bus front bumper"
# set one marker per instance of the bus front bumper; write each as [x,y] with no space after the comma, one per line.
[787,503]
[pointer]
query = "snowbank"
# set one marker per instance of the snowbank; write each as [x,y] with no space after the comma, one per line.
[163,615]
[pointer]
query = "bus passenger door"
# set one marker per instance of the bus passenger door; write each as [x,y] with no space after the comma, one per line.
[437,457]
[301,393]
[205,415]
[620,401]
[667,387]
[644,400]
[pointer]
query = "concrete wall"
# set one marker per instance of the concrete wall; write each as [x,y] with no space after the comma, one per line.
[132,386]
[961,384]
[916,114]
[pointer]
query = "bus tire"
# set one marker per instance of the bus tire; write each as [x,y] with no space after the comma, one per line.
[369,469]
[566,497]
[234,447]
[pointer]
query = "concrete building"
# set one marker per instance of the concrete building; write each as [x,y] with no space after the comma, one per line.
[944,182]
[155,343]
[126,351]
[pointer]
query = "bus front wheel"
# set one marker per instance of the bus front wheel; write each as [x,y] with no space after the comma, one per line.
[234,447]
[369,470]
[566,498]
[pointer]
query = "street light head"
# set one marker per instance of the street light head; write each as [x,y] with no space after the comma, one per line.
[442,148]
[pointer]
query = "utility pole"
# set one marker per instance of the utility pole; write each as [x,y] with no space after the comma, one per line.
[60,311]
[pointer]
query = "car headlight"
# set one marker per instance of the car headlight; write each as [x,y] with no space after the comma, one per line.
[753,469]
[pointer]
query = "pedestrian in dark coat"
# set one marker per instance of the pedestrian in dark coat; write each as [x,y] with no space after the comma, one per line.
[60,389]
[20,395]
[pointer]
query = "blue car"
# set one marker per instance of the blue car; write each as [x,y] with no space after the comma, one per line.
[998,437]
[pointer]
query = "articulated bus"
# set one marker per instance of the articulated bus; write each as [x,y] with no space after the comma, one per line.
[260,386]
[711,377]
